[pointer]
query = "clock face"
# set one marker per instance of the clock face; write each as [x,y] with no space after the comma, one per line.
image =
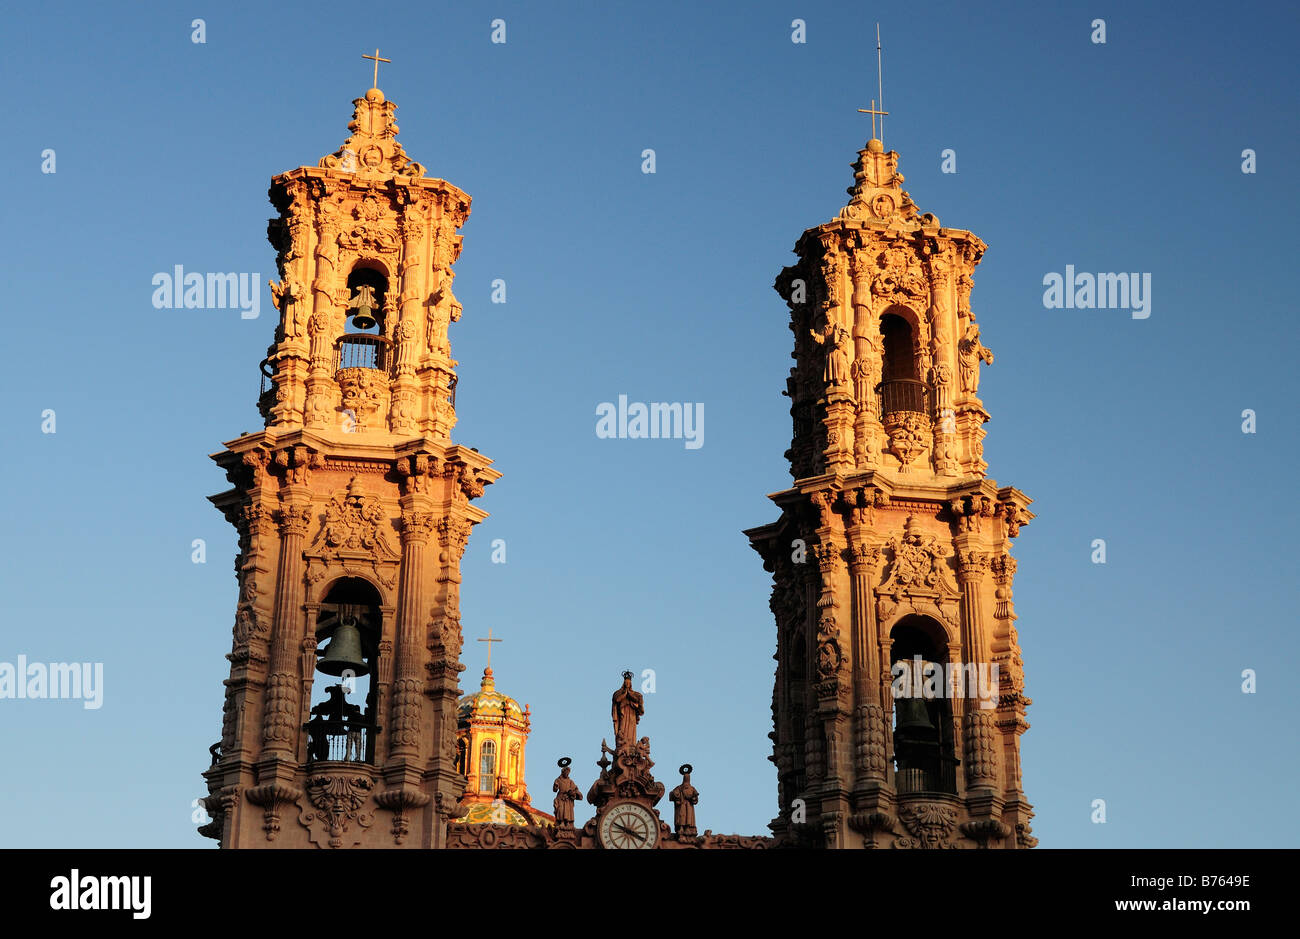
[629,825]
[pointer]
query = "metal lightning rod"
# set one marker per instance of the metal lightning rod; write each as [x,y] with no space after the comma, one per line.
[880,83]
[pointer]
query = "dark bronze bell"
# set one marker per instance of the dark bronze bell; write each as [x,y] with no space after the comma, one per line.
[364,304]
[343,654]
[913,718]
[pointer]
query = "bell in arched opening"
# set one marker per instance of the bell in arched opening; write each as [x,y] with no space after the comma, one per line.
[344,653]
[364,305]
[367,289]
[914,718]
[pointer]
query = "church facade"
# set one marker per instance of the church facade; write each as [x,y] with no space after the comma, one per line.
[353,508]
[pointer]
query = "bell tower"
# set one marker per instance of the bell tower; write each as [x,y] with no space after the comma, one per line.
[899,695]
[353,508]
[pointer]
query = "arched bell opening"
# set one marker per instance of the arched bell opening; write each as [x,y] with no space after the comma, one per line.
[365,342]
[924,747]
[348,630]
[901,388]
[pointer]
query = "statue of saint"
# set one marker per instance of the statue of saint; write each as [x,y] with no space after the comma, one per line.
[626,710]
[838,356]
[566,792]
[970,352]
[684,799]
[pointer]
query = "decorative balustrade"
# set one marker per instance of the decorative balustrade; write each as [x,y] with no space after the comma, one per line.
[347,741]
[363,350]
[902,394]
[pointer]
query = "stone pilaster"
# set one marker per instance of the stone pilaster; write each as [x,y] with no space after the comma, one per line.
[978,724]
[418,525]
[279,730]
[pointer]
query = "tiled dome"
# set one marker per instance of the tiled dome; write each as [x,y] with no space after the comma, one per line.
[488,702]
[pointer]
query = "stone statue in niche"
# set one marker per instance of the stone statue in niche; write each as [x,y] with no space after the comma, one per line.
[941,379]
[839,353]
[970,352]
[444,309]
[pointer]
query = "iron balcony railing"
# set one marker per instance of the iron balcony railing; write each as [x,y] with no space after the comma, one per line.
[901,394]
[346,741]
[362,350]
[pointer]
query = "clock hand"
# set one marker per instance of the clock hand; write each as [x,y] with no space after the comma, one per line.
[629,831]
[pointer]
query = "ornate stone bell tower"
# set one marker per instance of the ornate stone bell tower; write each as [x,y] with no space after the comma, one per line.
[353,508]
[899,695]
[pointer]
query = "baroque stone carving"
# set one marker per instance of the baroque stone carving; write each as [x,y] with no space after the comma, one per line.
[907,431]
[493,837]
[372,151]
[981,746]
[870,756]
[365,396]
[919,564]
[353,526]
[339,801]
[271,797]
[398,800]
[931,825]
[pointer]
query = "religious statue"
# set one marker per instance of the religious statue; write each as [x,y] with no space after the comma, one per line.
[970,352]
[626,709]
[684,799]
[941,379]
[838,356]
[285,295]
[444,309]
[566,793]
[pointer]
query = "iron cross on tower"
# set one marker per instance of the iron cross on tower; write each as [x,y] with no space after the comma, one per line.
[377,59]
[489,640]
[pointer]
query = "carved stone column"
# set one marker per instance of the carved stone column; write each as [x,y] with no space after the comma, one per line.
[408,684]
[406,405]
[1012,701]
[813,770]
[383,679]
[830,658]
[866,358]
[322,326]
[279,730]
[978,722]
[869,716]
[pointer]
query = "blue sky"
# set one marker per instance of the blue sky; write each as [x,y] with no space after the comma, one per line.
[1123,156]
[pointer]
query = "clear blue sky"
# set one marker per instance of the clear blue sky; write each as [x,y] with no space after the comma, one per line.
[628,553]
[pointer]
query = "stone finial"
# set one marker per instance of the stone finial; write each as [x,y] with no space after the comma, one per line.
[373,151]
[877,186]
